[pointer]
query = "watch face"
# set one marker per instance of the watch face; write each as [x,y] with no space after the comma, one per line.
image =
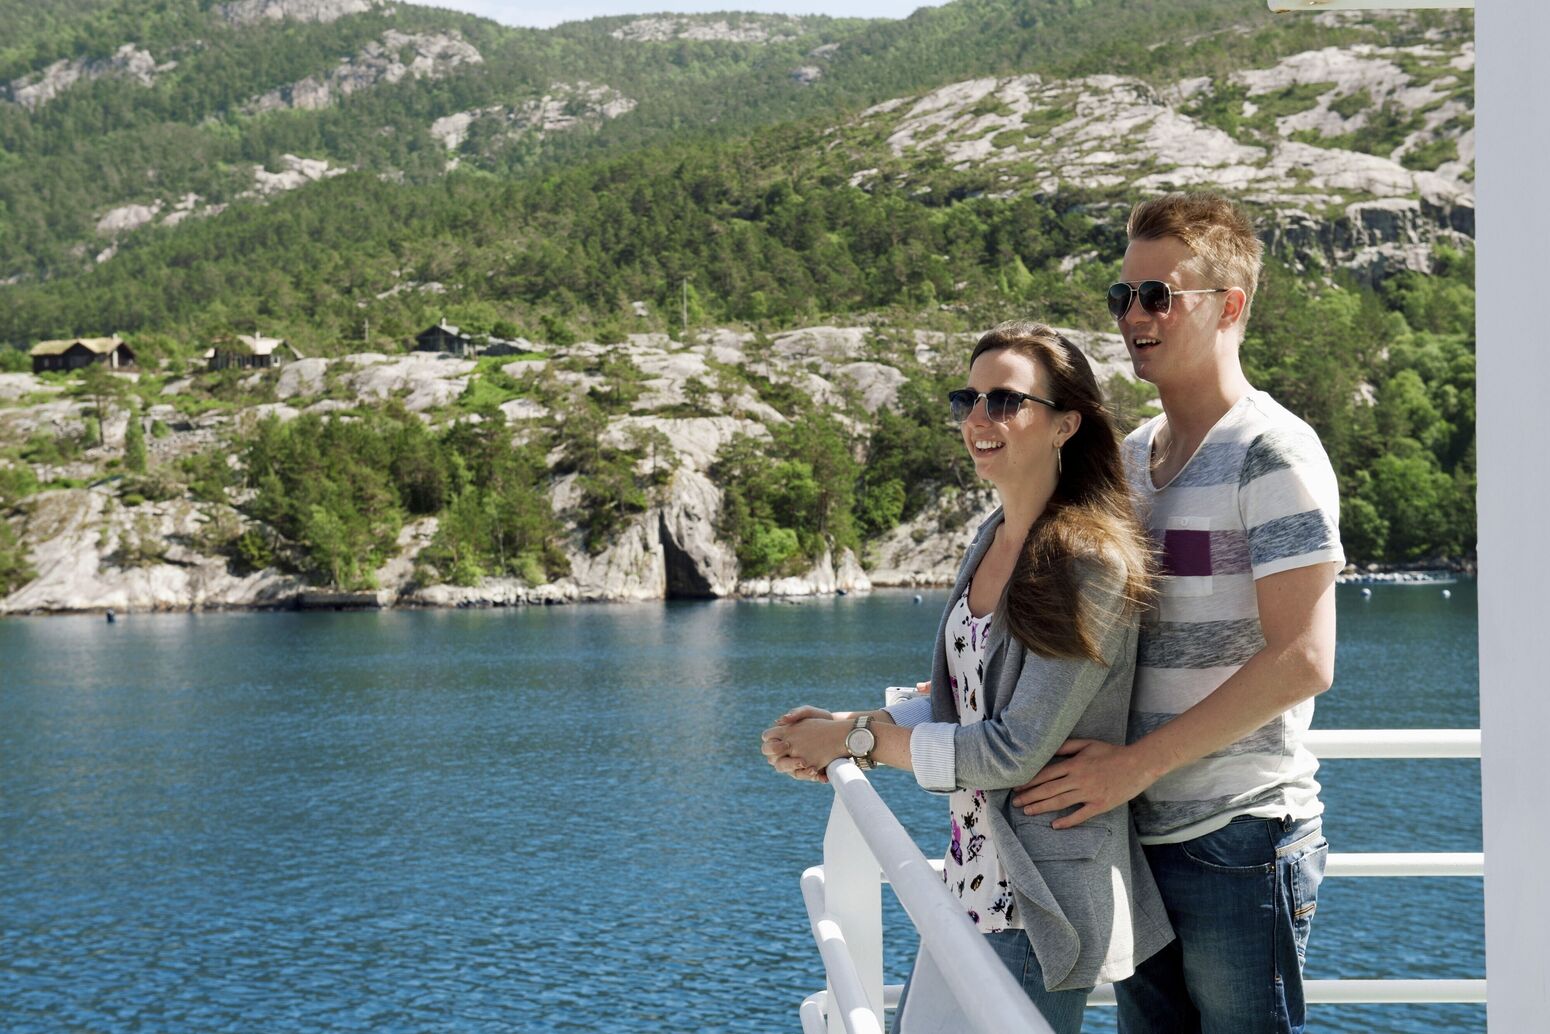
[860,742]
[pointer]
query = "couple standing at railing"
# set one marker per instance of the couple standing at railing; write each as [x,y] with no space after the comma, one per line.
[1121,736]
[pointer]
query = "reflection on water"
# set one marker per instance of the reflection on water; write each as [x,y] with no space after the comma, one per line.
[551,819]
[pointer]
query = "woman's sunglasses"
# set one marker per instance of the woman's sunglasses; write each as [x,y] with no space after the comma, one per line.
[1001,404]
[1156,297]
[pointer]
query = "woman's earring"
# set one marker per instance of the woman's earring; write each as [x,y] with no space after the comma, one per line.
[1057,463]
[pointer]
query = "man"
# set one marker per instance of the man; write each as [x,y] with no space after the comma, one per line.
[1241,501]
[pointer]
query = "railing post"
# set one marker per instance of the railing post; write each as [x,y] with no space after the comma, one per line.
[853,895]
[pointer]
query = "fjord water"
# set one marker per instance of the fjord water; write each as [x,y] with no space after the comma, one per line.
[556,819]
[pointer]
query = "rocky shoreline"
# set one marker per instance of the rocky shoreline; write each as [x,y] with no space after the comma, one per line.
[96,548]
[93,556]
[101,547]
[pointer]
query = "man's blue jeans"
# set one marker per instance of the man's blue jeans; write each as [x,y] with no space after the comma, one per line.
[1241,901]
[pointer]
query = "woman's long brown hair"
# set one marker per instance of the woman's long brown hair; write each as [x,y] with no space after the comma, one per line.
[1089,519]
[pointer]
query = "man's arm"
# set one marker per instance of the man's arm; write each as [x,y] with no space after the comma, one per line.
[1297,618]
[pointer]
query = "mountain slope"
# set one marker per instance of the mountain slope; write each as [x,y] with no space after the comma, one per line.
[104,105]
[1357,157]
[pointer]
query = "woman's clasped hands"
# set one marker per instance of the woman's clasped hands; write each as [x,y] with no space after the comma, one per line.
[803,741]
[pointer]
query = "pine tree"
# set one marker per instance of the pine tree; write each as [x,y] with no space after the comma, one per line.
[134,443]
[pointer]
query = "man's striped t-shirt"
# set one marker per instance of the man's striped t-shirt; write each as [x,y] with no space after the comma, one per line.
[1258,497]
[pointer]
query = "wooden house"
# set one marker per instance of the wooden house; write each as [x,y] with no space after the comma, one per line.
[75,353]
[446,339]
[250,352]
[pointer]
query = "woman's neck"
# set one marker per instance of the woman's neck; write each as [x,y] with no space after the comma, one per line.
[1019,511]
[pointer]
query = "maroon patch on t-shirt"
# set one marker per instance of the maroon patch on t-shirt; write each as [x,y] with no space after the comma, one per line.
[1186,554]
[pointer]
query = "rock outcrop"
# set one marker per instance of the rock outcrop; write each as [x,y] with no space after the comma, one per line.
[15,386]
[827,576]
[55,416]
[92,553]
[669,552]
[303,377]
[397,55]
[294,172]
[562,108]
[1292,148]
[1375,239]
[927,550]
[695,562]
[128,62]
[422,381]
[750,29]
[127,217]
[255,12]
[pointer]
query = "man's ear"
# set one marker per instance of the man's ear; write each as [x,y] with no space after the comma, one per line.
[1232,308]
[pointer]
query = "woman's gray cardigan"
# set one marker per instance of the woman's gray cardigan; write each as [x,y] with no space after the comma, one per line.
[1085,894]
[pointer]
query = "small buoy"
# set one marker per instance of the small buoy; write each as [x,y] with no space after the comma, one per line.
[1366,593]
[917,597]
[1447,594]
[111,617]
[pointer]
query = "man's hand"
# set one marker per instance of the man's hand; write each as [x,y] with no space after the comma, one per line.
[1099,776]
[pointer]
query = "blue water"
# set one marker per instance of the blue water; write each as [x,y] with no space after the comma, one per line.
[554,819]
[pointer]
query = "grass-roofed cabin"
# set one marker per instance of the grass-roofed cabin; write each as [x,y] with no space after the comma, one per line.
[446,339]
[249,352]
[78,352]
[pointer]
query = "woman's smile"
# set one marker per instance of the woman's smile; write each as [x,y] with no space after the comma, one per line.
[986,446]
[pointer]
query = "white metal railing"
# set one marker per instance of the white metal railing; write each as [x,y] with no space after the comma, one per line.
[865,845]
[863,834]
[1394,743]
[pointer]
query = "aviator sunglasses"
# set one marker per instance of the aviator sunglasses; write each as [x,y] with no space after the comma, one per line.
[1156,296]
[1001,404]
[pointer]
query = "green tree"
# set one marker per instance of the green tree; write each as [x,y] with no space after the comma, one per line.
[17,481]
[336,545]
[881,506]
[789,499]
[1415,500]
[15,568]
[913,445]
[104,388]
[499,521]
[134,443]
[1363,531]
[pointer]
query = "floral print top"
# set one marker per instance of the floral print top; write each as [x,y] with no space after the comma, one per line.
[973,871]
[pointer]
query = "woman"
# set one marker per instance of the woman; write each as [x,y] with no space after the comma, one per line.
[1037,645]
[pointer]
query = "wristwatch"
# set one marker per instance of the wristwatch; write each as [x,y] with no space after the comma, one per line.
[860,741]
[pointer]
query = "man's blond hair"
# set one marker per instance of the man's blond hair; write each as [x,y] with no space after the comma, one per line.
[1220,233]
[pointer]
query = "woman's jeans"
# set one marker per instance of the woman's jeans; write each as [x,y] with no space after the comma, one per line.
[1241,901]
[1062,1009]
